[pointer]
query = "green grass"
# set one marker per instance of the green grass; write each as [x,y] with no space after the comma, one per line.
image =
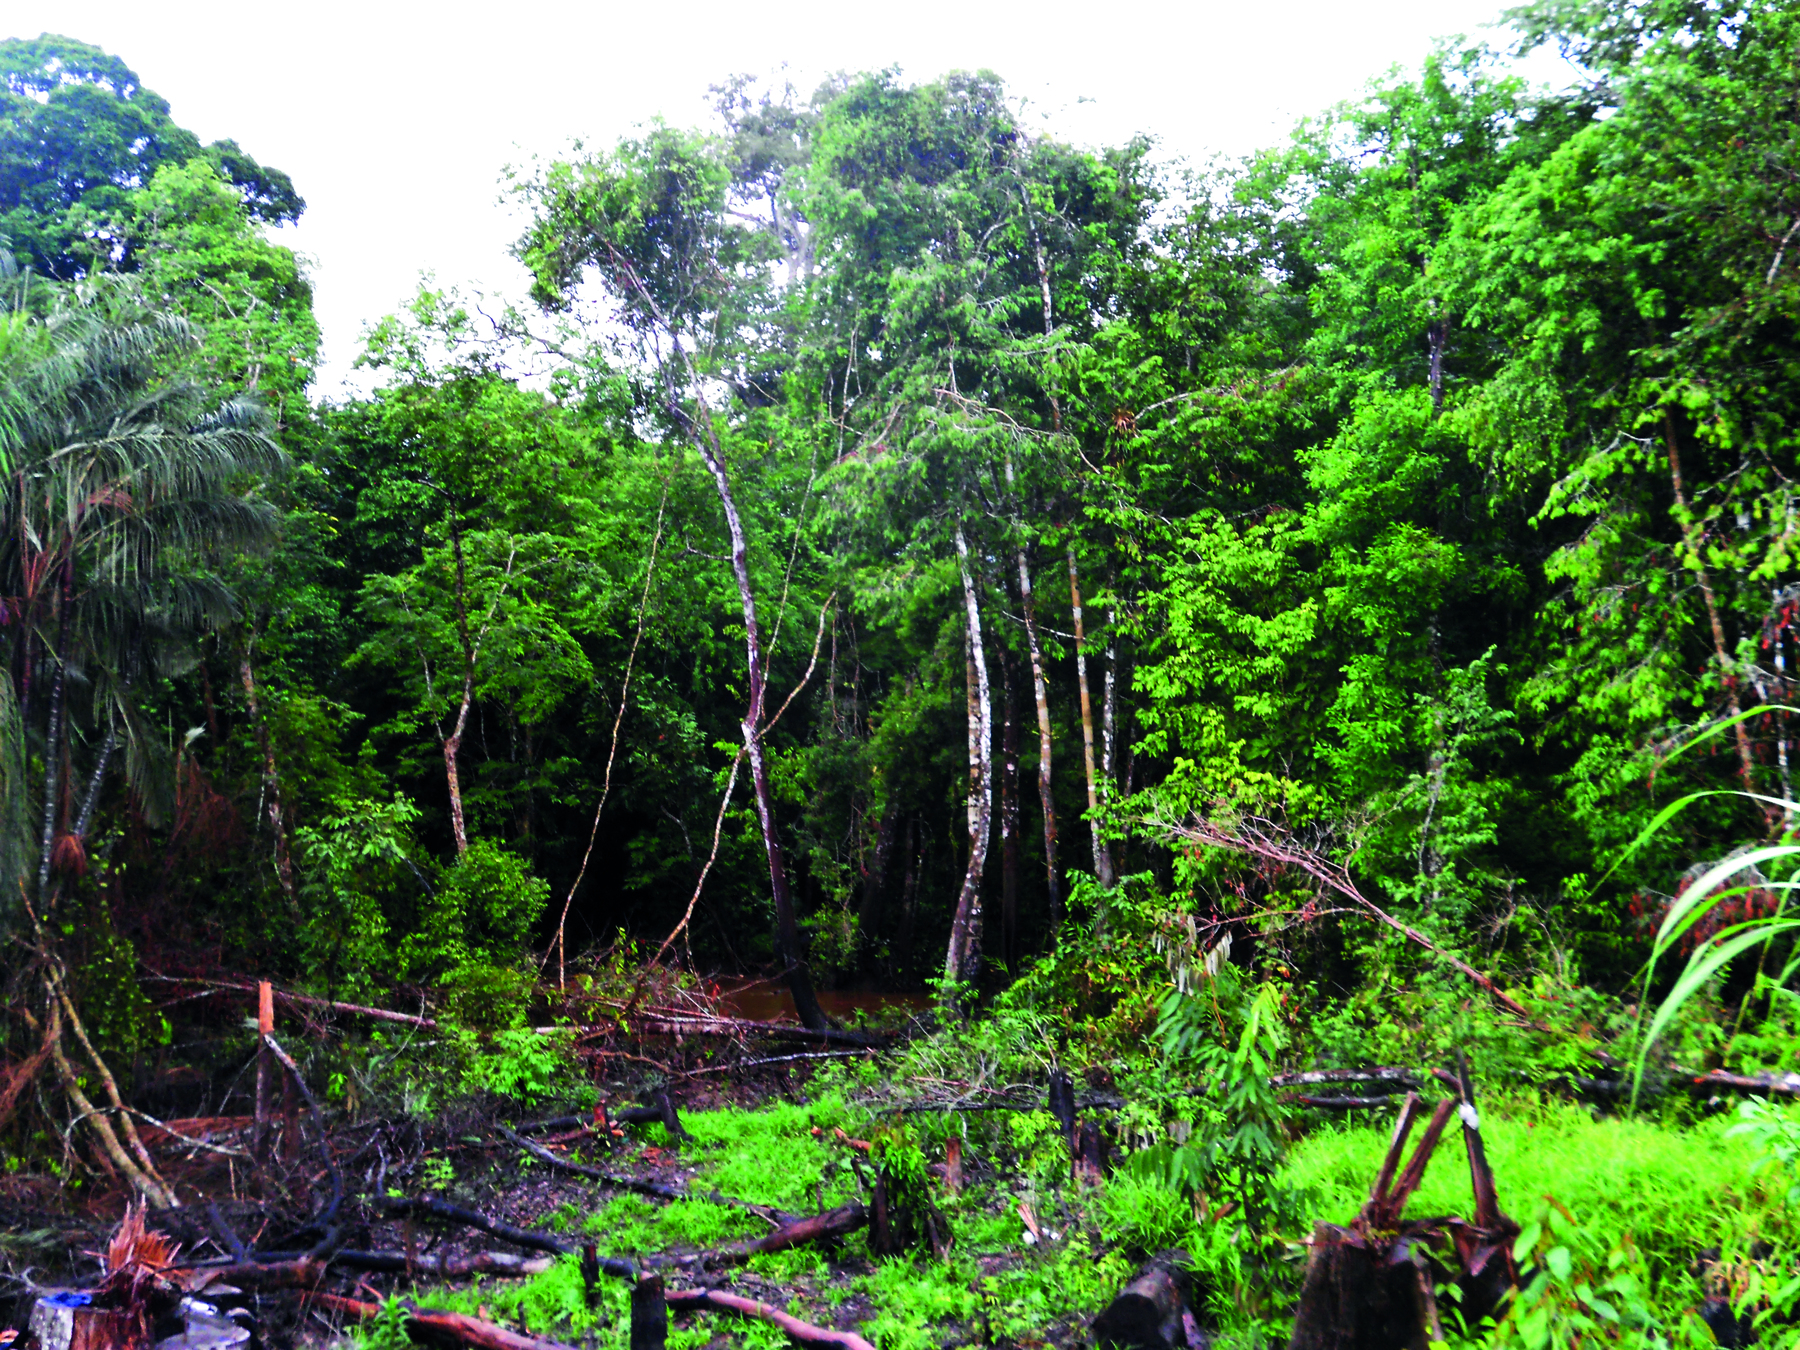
[632,1224]
[1674,1189]
[770,1157]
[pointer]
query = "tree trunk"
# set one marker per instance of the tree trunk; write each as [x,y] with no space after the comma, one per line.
[1109,706]
[1009,817]
[1103,868]
[1040,694]
[284,864]
[963,959]
[1437,338]
[54,733]
[787,928]
[1110,732]
[452,746]
[1692,536]
[453,742]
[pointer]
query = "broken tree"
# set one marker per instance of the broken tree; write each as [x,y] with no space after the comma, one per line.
[1373,1284]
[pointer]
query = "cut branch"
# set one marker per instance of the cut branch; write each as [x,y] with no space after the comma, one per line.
[1268,842]
[467,1330]
[805,1333]
[612,748]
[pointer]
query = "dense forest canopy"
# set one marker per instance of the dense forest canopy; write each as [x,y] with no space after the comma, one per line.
[890,544]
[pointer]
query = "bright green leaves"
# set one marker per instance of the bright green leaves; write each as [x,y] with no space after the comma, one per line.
[200,251]
[651,218]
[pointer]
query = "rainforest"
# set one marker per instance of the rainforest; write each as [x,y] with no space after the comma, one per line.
[936,737]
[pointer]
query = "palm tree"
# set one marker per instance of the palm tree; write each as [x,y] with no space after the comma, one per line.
[125,486]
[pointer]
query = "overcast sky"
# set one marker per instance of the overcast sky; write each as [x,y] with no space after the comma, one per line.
[396,120]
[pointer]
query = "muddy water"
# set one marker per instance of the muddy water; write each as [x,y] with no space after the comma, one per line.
[762,1001]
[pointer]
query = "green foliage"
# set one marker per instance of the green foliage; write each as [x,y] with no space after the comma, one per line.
[1237,1144]
[119,1017]
[354,859]
[631,1224]
[1579,1291]
[1776,1131]
[80,136]
[480,913]
[522,1064]
[770,1156]
[387,1329]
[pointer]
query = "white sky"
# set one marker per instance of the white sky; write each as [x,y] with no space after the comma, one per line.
[395,120]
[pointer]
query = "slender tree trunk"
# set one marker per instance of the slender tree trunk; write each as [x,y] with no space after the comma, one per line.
[1009,817]
[1041,696]
[453,742]
[1109,704]
[284,864]
[1103,868]
[1781,696]
[1043,271]
[1045,794]
[1691,535]
[787,928]
[95,779]
[963,959]
[453,777]
[1109,718]
[1437,338]
[53,735]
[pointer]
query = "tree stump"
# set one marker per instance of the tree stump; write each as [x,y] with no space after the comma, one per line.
[1154,1311]
[649,1314]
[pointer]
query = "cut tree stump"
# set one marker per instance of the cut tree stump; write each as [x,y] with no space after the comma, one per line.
[649,1314]
[1371,1285]
[1154,1311]
[60,1322]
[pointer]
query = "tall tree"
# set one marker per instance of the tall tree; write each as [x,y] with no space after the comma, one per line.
[127,488]
[78,134]
[651,221]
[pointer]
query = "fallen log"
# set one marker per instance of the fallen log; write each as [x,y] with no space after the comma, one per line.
[769,1060]
[832,1224]
[662,1110]
[804,1333]
[675,1025]
[555,1123]
[432,1208]
[308,1001]
[654,1189]
[445,1267]
[1155,1309]
[1788,1084]
[531,1240]
[468,1330]
[1399,1079]
[302,1272]
[196,1131]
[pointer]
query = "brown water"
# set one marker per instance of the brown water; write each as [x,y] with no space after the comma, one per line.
[763,1001]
